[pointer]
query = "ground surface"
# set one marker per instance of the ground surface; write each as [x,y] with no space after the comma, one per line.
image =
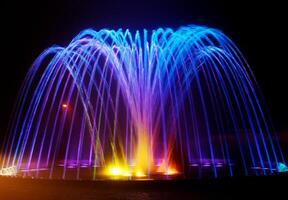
[232,188]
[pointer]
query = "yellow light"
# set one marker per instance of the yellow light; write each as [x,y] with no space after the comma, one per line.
[115,171]
[64,105]
[171,171]
[8,171]
[140,174]
[118,171]
[142,156]
[126,173]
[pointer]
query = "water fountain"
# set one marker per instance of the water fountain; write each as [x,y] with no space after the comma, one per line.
[156,104]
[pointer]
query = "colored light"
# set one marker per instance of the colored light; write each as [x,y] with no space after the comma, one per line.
[282,167]
[167,170]
[140,174]
[142,152]
[8,171]
[64,105]
[117,171]
[171,171]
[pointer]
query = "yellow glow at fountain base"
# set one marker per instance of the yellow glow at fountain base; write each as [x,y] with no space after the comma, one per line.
[118,171]
[142,157]
[140,174]
[143,164]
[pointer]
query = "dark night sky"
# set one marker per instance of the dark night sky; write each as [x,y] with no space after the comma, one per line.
[258,29]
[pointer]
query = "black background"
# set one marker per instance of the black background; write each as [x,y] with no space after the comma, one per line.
[258,29]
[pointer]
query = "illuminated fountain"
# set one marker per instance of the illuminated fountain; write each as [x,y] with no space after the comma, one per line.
[163,104]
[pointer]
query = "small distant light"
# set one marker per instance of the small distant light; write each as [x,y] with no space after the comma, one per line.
[282,167]
[256,167]
[219,165]
[64,105]
[8,171]
[206,165]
